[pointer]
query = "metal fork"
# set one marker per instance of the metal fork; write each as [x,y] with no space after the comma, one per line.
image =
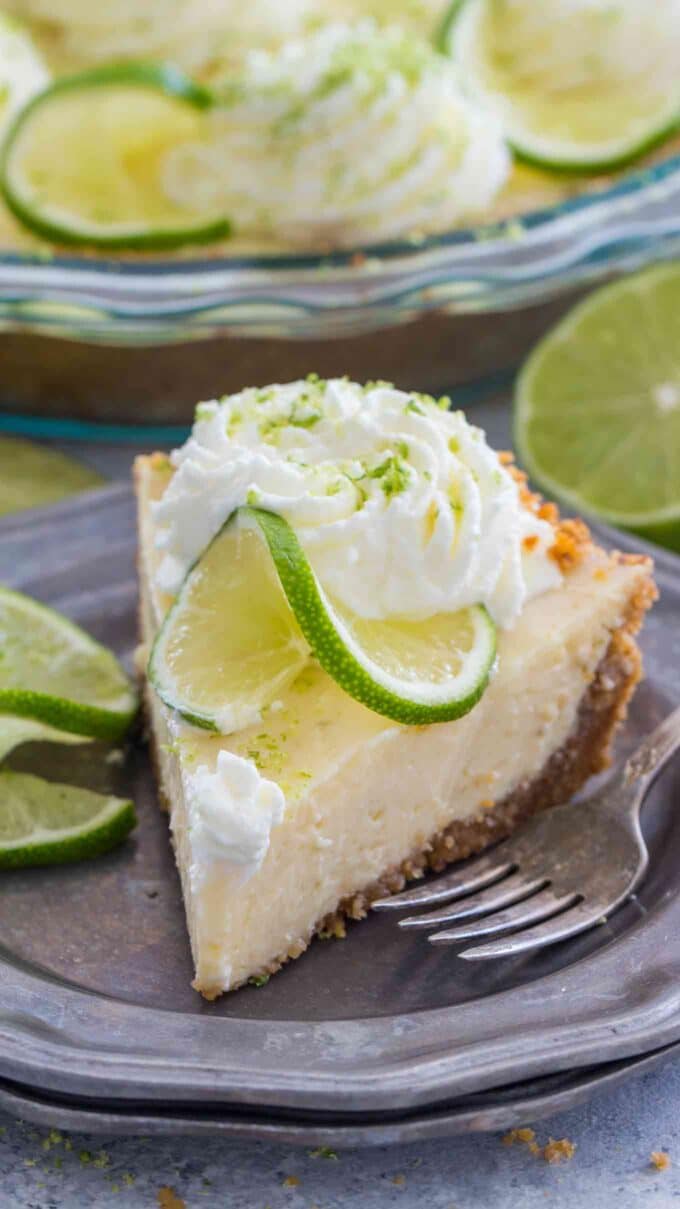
[565,871]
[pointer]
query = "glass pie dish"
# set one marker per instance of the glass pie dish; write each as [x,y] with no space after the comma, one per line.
[268,318]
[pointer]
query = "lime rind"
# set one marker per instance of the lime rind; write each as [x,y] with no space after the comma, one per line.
[28,801]
[455,37]
[661,524]
[161,77]
[339,655]
[107,718]
[15,731]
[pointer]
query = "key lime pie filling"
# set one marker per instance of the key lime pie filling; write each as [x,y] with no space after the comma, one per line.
[298,796]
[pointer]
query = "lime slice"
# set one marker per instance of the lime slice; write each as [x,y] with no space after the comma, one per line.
[412,672]
[82,163]
[31,475]
[43,823]
[583,86]
[597,418]
[52,671]
[229,645]
[15,731]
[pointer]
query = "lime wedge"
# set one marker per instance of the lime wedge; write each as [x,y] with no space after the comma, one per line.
[52,671]
[43,823]
[597,406]
[82,163]
[412,672]
[31,475]
[15,731]
[586,86]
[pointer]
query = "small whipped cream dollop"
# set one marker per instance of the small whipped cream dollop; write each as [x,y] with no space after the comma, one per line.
[401,506]
[353,134]
[232,811]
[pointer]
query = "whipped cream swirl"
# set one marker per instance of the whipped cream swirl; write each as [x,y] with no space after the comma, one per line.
[352,135]
[401,506]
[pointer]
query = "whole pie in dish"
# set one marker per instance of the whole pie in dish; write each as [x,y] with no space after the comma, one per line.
[293,803]
[319,125]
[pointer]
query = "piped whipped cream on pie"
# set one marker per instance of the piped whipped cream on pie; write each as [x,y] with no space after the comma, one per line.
[352,135]
[401,506]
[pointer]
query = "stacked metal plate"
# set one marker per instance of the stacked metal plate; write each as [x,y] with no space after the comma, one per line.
[375,1039]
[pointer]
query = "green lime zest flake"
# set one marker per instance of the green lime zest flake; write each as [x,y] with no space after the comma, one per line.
[43,823]
[323,1152]
[393,474]
[259,980]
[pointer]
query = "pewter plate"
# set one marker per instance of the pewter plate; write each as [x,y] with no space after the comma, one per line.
[502,1108]
[95,1003]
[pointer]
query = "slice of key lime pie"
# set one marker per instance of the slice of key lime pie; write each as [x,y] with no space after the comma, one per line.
[371,651]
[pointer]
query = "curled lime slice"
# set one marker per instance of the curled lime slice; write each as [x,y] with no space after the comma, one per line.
[54,672]
[411,672]
[43,823]
[82,163]
[597,406]
[586,86]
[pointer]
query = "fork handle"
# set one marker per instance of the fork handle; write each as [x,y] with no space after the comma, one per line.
[653,753]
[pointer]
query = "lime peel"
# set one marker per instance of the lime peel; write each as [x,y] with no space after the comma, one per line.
[363,658]
[53,672]
[46,823]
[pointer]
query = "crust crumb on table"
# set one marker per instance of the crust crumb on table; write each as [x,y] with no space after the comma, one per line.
[518,1135]
[659,1160]
[168,1199]
[558,1150]
[554,1151]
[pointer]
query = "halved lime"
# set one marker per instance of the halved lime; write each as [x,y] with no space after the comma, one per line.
[412,672]
[44,823]
[585,86]
[32,474]
[53,671]
[597,419]
[15,731]
[82,163]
